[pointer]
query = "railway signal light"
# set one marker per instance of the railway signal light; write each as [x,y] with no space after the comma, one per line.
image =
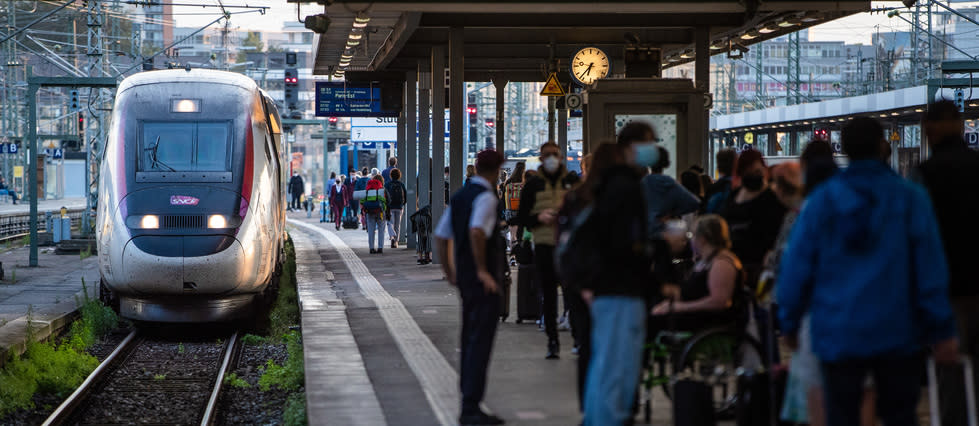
[74,100]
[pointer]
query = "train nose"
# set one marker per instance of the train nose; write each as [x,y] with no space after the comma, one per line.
[192,267]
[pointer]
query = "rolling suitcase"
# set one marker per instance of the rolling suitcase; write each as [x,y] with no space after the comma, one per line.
[528,295]
[970,393]
[505,296]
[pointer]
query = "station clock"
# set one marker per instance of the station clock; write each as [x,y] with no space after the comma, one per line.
[589,64]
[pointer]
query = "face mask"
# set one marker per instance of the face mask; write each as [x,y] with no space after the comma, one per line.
[551,164]
[645,154]
[753,182]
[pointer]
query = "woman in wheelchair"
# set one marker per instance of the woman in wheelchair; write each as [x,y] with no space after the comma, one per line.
[708,297]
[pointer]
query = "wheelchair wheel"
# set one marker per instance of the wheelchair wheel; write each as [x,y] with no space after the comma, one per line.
[716,355]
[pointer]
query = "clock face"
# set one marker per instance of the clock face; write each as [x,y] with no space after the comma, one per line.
[589,64]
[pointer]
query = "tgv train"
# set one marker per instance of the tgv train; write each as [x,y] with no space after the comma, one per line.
[191,218]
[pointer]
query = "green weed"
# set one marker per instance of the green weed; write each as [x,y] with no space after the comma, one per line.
[96,320]
[236,382]
[290,375]
[295,411]
[25,240]
[160,377]
[13,275]
[285,312]
[251,339]
[85,253]
[180,348]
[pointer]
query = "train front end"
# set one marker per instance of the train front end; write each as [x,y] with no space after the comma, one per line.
[182,232]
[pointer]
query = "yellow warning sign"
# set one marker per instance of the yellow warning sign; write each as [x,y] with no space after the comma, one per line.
[552,87]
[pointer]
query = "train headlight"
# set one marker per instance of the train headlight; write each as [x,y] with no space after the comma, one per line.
[217,221]
[150,221]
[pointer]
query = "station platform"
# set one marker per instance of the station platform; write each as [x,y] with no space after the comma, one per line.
[381,338]
[23,206]
[49,291]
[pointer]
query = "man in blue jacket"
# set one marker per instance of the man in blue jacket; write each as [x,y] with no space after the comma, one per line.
[865,259]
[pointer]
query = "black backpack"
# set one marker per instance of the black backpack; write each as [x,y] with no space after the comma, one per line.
[577,254]
[396,190]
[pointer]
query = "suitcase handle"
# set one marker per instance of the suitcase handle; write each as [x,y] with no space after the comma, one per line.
[970,392]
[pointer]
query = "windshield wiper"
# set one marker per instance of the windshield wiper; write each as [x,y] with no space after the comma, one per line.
[156,162]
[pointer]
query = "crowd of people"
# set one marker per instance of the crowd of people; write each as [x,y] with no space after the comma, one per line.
[866,272]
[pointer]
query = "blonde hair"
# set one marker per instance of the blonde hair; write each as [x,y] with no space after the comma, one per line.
[714,230]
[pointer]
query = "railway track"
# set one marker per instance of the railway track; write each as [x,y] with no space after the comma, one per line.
[154,381]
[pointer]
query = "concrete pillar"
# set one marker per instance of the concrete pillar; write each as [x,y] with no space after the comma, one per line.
[562,132]
[402,151]
[550,119]
[457,88]
[424,132]
[702,81]
[500,114]
[438,135]
[410,166]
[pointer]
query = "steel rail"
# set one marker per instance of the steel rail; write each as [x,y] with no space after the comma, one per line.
[68,407]
[212,404]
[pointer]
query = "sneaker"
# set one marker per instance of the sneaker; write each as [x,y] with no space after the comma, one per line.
[373,251]
[394,244]
[421,261]
[564,324]
[479,418]
[553,350]
[380,251]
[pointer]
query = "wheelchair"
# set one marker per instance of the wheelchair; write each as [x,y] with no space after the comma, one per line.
[716,355]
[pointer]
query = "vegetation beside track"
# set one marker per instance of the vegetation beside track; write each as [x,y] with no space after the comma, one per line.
[55,367]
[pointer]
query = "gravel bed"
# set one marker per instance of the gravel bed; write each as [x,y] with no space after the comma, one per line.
[249,405]
[160,383]
[104,347]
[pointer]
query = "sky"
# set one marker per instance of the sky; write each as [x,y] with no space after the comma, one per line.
[853,29]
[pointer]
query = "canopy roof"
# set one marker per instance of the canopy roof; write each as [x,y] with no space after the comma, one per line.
[515,39]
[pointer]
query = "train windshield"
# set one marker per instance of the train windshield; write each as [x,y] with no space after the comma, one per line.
[191,146]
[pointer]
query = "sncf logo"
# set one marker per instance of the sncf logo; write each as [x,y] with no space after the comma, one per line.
[183,200]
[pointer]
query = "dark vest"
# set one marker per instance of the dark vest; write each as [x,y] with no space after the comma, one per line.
[462,208]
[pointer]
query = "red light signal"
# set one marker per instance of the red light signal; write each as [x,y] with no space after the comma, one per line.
[333,119]
[471,110]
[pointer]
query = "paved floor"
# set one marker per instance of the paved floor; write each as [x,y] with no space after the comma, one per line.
[406,328]
[49,291]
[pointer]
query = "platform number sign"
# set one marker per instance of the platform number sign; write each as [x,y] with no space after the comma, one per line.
[10,148]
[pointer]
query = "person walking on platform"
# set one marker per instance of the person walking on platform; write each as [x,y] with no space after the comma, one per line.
[665,197]
[475,266]
[511,198]
[338,201]
[951,175]
[539,203]
[296,188]
[374,206]
[865,259]
[396,203]
[386,173]
[360,185]
[349,184]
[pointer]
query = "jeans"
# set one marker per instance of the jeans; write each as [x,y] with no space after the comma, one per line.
[618,330]
[897,380]
[394,225]
[547,279]
[375,223]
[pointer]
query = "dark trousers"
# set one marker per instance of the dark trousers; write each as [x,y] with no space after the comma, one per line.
[337,211]
[547,279]
[581,325]
[897,380]
[480,314]
[951,378]
[295,200]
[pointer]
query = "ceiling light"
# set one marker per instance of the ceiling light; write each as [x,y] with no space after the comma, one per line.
[686,55]
[346,56]
[356,36]
[352,43]
[919,110]
[809,19]
[361,20]
[747,36]
[786,24]
[716,47]
[894,113]
[883,115]
[767,30]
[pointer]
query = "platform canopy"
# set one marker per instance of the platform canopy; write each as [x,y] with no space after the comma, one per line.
[515,39]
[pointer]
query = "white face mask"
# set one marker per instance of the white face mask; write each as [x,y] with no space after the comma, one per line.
[551,164]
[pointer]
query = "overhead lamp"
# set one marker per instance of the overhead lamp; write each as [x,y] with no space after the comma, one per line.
[973,105]
[883,115]
[673,59]
[346,56]
[344,64]
[352,43]
[919,110]
[356,36]
[686,55]
[361,20]
[894,114]
[808,19]
[716,47]
[767,30]
[749,35]
[787,23]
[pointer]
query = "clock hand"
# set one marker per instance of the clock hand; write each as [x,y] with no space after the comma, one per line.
[587,71]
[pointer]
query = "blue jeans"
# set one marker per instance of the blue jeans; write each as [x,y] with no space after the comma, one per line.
[375,224]
[617,334]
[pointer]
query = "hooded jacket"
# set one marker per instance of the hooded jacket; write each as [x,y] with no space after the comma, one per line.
[865,259]
[665,197]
